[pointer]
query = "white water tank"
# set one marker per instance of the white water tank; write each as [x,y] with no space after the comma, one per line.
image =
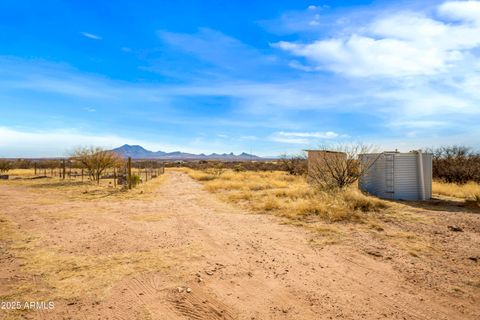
[397,176]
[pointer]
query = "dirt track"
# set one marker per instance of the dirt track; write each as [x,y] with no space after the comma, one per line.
[237,265]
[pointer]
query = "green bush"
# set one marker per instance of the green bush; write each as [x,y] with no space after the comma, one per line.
[135,180]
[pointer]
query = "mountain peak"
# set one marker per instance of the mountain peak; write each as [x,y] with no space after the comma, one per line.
[139,152]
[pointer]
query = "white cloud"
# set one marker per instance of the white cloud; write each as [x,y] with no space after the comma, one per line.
[398,45]
[91,36]
[461,10]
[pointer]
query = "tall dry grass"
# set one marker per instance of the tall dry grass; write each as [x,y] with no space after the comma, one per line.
[470,190]
[286,195]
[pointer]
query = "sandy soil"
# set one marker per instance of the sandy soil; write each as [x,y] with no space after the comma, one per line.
[238,265]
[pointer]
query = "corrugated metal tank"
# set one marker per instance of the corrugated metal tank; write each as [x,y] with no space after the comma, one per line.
[398,176]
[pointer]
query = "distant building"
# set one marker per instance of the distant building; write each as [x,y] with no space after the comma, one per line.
[317,159]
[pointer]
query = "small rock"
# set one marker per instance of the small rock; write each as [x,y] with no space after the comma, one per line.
[189,290]
[210,273]
[474,258]
[180,289]
[375,253]
[455,228]
[199,279]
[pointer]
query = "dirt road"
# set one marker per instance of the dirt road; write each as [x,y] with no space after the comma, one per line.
[222,263]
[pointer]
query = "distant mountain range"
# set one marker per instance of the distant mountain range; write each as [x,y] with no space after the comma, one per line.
[138,152]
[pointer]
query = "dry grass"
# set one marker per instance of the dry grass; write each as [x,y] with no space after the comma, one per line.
[412,243]
[75,189]
[60,275]
[288,196]
[469,190]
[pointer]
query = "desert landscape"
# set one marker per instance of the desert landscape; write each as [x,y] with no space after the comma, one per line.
[247,160]
[198,244]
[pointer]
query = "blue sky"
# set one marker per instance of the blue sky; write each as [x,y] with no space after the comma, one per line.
[267,77]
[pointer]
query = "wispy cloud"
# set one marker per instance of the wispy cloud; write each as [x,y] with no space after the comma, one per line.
[320,135]
[304,138]
[91,36]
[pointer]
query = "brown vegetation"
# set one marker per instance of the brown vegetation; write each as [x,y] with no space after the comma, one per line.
[337,166]
[456,164]
[287,195]
[294,164]
[96,160]
[5,165]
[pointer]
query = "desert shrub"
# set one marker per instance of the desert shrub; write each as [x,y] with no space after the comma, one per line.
[96,160]
[455,164]
[294,164]
[238,168]
[135,179]
[22,164]
[5,165]
[338,166]
[259,165]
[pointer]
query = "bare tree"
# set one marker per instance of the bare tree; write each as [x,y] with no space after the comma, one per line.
[294,164]
[96,160]
[338,166]
[5,165]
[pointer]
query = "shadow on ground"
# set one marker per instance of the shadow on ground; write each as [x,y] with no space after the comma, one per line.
[444,204]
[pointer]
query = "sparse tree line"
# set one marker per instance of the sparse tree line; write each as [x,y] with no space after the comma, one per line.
[454,164]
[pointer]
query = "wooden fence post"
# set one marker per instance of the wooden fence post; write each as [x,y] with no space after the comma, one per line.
[63,169]
[129,172]
[82,174]
[114,177]
[35,168]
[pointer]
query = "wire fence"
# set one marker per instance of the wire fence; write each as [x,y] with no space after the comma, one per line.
[128,176]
